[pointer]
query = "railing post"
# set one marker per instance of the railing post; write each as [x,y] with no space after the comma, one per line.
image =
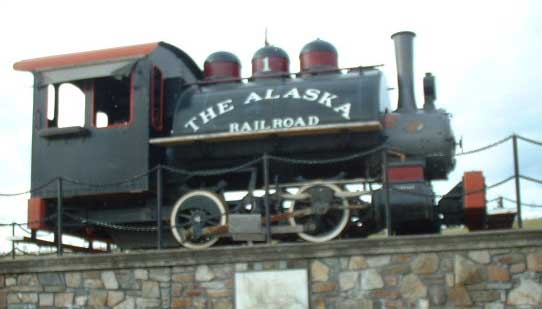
[159,206]
[266,198]
[59,211]
[516,177]
[385,185]
[500,202]
[13,241]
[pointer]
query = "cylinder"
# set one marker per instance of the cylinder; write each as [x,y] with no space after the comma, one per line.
[404,57]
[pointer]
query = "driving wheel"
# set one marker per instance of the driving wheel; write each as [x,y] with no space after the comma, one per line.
[194,216]
[328,214]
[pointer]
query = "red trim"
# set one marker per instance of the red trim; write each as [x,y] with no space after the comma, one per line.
[317,59]
[405,173]
[36,213]
[474,188]
[160,125]
[223,69]
[74,59]
[474,200]
[132,107]
[276,64]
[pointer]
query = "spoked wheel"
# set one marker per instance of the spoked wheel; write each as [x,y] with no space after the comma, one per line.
[328,215]
[195,216]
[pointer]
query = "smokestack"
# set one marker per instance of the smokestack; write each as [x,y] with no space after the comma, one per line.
[404,57]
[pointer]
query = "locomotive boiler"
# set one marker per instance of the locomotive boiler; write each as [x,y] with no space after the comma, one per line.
[161,141]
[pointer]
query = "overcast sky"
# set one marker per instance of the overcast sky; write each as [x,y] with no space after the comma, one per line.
[486,58]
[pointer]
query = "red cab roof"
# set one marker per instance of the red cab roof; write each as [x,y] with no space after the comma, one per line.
[75,59]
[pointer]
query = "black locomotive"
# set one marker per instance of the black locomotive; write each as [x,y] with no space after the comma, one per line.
[303,137]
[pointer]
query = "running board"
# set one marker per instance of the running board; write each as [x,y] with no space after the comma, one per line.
[365,126]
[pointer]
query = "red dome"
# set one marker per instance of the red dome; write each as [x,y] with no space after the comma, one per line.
[317,56]
[222,65]
[270,61]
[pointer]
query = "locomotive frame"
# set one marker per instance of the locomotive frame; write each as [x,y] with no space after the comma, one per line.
[213,133]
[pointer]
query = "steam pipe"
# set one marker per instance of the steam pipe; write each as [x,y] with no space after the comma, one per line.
[404,57]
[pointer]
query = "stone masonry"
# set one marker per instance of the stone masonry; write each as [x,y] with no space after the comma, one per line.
[502,270]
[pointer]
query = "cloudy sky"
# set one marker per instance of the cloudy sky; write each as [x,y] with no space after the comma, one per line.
[486,58]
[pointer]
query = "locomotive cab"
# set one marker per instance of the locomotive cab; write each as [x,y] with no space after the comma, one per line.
[94,113]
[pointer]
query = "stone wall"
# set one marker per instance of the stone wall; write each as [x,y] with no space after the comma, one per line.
[479,270]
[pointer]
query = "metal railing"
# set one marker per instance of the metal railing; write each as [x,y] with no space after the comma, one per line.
[265,161]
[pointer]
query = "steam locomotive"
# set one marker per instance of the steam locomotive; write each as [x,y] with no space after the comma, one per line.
[162,141]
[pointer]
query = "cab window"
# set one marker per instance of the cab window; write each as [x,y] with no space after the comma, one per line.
[65,105]
[112,102]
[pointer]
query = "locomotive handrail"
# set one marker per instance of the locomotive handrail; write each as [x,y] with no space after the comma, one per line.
[281,74]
